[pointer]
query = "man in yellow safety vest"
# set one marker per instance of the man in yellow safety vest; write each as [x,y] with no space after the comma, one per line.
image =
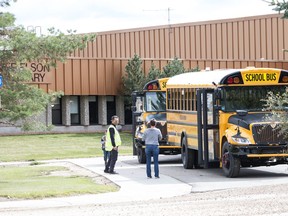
[113,141]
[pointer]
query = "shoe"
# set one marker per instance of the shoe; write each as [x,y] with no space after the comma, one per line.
[113,172]
[157,177]
[106,171]
[149,177]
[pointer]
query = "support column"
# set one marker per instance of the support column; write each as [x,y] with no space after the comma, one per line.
[120,109]
[66,117]
[49,115]
[84,110]
[102,110]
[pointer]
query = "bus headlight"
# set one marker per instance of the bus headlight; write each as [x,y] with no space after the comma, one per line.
[241,140]
[139,135]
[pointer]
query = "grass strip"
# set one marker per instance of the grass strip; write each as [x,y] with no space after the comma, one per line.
[56,146]
[33,182]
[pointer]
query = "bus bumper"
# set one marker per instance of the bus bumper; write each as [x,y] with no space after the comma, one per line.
[163,147]
[259,155]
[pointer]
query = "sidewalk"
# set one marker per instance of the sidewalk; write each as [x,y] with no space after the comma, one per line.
[134,186]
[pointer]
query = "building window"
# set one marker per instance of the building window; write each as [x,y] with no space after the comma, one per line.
[74,110]
[93,110]
[56,112]
[128,113]
[111,107]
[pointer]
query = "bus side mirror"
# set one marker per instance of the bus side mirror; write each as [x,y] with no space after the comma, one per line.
[136,94]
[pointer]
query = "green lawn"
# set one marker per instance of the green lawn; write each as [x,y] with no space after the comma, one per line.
[56,146]
[31,182]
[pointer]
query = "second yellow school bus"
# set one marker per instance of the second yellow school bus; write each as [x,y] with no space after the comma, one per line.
[217,118]
[150,103]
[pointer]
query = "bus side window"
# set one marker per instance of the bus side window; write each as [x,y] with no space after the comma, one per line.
[178,99]
[194,101]
[210,102]
[189,99]
[169,98]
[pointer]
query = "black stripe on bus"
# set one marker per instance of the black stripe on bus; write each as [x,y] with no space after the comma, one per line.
[182,123]
[188,135]
[182,111]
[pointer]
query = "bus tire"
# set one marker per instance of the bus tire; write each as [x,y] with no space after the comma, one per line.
[141,155]
[187,155]
[230,163]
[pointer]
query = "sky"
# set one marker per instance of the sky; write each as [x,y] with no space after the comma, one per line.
[87,16]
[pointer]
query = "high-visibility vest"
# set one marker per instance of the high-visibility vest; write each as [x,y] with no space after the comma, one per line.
[118,142]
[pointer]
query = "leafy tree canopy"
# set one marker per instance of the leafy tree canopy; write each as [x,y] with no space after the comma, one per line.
[19,98]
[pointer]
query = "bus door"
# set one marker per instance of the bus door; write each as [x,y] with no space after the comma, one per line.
[208,128]
[137,110]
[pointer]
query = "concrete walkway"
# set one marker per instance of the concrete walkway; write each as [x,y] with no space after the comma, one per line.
[134,186]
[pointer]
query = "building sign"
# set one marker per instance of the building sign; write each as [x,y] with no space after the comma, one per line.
[39,71]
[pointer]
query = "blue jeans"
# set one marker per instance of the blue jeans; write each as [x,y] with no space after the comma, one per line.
[152,150]
[106,155]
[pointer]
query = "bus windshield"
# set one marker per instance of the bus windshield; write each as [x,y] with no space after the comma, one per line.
[247,97]
[155,101]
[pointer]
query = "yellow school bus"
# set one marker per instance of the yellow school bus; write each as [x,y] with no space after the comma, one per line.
[217,118]
[148,104]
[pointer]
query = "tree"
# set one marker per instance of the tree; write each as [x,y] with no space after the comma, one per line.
[173,68]
[19,98]
[275,103]
[154,73]
[279,6]
[134,78]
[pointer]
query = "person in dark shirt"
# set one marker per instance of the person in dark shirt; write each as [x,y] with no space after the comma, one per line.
[113,141]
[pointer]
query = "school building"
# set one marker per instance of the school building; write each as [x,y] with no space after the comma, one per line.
[91,78]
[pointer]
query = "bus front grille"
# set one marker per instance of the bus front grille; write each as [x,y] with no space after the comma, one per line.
[265,134]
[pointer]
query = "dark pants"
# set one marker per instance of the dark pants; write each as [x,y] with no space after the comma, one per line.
[111,161]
